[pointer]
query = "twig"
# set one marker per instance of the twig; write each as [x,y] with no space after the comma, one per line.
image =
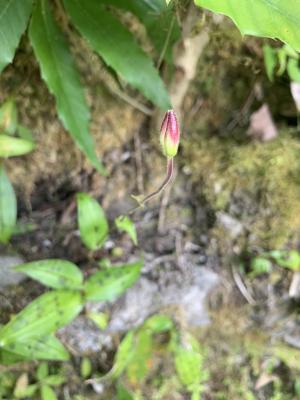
[242,287]
[139,162]
[134,103]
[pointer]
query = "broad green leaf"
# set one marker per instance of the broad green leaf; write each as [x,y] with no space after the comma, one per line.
[270,58]
[125,224]
[8,358]
[46,314]
[45,348]
[14,15]
[276,19]
[62,78]
[159,20]
[92,222]
[12,146]
[287,259]
[8,116]
[110,283]
[47,393]
[58,274]
[118,48]
[8,207]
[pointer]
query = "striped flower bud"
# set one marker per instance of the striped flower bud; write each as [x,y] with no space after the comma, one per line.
[169,134]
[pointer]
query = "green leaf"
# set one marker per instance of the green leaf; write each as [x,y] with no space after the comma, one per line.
[260,265]
[12,146]
[47,393]
[85,367]
[42,371]
[26,392]
[14,15]
[8,116]
[123,393]
[110,283]
[159,20]
[125,224]
[270,58]
[287,259]
[55,380]
[138,367]
[276,19]
[8,207]
[99,318]
[62,78]
[58,274]
[8,358]
[293,70]
[92,222]
[24,133]
[44,315]
[159,323]
[188,366]
[123,356]
[117,46]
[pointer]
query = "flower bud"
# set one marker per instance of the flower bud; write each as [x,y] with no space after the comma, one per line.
[169,134]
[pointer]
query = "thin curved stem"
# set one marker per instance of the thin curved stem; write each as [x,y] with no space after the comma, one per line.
[170,170]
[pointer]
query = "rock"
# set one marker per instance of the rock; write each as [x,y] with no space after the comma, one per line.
[7,275]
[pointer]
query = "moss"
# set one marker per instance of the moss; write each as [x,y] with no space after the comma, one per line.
[257,183]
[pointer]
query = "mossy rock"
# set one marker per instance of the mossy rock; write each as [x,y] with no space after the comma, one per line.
[257,183]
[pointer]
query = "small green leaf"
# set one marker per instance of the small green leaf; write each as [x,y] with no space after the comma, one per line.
[8,207]
[123,356]
[125,224]
[260,265]
[159,323]
[44,315]
[117,46]
[282,58]
[14,15]
[188,364]
[42,371]
[138,367]
[270,58]
[99,318]
[62,78]
[26,392]
[12,146]
[287,259]
[110,283]
[48,393]
[276,19]
[92,222]
[123,393]
[85,367]
[293,70]
[55,380]
[58,274]
[8,116]
[24,133]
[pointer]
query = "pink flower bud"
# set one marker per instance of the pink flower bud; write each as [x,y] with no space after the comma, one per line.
[169,134]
